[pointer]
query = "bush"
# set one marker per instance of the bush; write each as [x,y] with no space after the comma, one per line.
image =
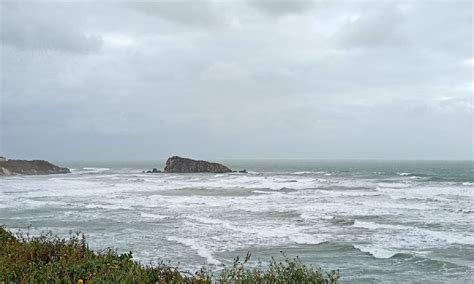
[48,258]
[287,271]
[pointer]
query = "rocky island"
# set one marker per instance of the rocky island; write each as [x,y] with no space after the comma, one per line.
[177,164]
[24,167]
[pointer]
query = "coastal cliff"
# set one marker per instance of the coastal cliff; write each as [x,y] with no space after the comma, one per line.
[177,164]
[34,167]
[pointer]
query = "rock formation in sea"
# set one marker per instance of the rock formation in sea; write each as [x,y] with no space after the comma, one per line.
[177,164]
[154,171]
[34,167]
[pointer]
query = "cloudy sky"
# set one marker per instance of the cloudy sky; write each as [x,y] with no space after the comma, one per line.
[236,79]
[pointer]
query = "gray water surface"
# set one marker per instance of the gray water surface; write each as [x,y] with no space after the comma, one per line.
[375,221]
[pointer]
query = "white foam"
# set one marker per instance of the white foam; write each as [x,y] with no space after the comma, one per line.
[452,237]
[394,204]
[261,192]
[377,252]
[302,238]
[316,216]
[394,184]
[199,248]
[116,206]
[352,183]
[416,235]
[308,172]
[438,214]
[95,170]
[167,182]
[206,220]
[375,226]
[349,193]
[152,216]
[436,191]
[291,232]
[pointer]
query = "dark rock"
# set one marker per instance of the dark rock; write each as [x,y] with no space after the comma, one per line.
[243,171]
[154,171]
[177,164]
[35,167]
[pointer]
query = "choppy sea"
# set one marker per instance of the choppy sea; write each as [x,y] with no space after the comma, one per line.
[375,221]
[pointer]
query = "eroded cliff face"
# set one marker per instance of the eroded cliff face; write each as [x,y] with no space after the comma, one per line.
[177,164]
[34,167]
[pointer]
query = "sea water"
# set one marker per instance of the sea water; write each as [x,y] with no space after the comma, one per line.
[375,221]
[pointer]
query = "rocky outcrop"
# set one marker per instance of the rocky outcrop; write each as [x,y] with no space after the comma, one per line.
[154,171]
[35,167]
[177,164]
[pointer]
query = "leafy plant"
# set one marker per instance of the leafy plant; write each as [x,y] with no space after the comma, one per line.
[48,258]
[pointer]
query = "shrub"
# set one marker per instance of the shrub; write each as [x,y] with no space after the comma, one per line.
[48,258]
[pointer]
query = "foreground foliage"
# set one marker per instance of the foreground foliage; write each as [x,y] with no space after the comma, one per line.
[48,258]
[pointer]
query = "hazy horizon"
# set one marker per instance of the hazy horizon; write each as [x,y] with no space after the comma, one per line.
[313,80]
[157,161]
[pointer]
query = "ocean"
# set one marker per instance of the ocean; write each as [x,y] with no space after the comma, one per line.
[375,221]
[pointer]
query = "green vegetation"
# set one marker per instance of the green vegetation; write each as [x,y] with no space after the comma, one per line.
[48,258]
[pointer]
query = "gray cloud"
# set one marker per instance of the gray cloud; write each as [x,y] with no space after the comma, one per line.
[229,80]
[194,13]
[34,28]
[374,29]
[282,7]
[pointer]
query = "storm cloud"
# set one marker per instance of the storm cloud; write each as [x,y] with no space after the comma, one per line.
[240,79]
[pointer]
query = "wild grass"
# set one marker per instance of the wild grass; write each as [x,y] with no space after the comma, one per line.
[51,259]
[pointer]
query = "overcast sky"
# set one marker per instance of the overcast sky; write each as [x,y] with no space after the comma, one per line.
[236,79]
